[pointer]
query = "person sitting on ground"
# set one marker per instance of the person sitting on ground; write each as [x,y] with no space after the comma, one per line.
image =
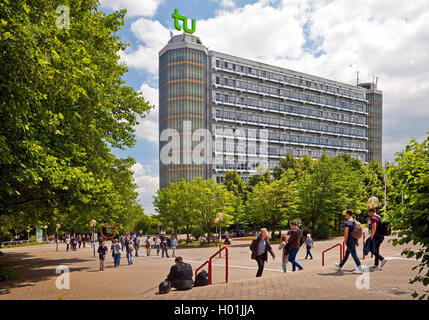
[180,275]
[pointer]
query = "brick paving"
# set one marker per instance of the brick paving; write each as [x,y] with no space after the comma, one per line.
[36,266]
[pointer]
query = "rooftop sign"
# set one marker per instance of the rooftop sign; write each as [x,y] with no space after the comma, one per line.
[177,17]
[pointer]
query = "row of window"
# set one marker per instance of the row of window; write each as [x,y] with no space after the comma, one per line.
[251,147]
[290,108]
[291,94]
[259,119]
[269,75]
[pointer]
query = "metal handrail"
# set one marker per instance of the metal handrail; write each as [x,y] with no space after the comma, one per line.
[209,262]
[341,253]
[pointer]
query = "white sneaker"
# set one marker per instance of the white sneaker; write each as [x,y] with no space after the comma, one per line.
[359,269]
[338,266]
[383,262]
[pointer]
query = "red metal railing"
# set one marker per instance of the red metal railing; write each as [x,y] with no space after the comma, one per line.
[209,262]
[341,252]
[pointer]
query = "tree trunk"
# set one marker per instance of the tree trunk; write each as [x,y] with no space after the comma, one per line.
[188,231]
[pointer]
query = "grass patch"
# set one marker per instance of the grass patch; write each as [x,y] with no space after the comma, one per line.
[35,243]
[7,274]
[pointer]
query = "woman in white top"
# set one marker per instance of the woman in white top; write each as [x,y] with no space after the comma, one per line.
[285,252]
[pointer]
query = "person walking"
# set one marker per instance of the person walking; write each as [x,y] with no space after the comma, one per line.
[157,241]
[350,242]
[79,241]
[375,226]
[164,247]
[102,251]
[116,252]
[74,243]
[122,242]
[84,241]
[129,249]
[137,245]
[294,245]
[148,246]
[174,244]
[309,244]
[260,248]
[285,253]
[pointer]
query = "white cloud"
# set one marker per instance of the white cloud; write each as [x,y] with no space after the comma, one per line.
[147,186]
[148,127]
[228,4]
[145,8]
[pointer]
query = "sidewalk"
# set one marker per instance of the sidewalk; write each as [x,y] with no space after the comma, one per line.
[36,267]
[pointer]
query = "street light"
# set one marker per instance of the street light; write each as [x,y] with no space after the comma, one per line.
[28,235]
[373,202]
[92,224]
[58,226]
[219,217]
[46,232]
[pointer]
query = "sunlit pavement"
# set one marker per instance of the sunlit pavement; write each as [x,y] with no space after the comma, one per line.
[37,266]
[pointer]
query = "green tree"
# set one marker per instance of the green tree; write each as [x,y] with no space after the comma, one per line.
[63,106]
[270,204]
[409,218]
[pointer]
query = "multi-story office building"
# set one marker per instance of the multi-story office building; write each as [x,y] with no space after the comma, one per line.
[255,112]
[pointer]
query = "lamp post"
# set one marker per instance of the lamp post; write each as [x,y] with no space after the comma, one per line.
[45,227]
[219,217]
[28,235]
[92,224]
[57,229]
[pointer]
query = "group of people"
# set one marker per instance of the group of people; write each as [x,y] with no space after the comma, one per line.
[291,243]
[73,242]
[131,244]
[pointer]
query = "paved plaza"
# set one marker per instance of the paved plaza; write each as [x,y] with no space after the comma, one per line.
[37,265]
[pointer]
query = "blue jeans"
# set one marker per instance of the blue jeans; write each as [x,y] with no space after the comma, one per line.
[158,247]
[284,265]
[308,252]
[351,249]
[117,259]
[292,256]
[130,257]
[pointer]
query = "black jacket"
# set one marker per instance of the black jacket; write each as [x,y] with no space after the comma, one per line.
[254,249]
[180,274]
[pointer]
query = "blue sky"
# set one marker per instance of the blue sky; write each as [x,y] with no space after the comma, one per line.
[328,38]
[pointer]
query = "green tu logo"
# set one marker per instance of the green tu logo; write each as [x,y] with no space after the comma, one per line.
[177,17]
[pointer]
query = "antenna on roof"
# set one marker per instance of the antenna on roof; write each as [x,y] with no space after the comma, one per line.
[376,82]
[357,77]
[171,34]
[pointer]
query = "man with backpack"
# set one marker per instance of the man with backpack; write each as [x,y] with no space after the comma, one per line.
[352,233]
[116,252]
[377,235]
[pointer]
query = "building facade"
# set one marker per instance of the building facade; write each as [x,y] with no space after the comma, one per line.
[256,113]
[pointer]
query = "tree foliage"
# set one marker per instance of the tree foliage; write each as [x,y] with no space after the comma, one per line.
[63,106]
[410,217]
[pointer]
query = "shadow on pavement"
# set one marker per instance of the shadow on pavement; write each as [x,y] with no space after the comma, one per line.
[32,270]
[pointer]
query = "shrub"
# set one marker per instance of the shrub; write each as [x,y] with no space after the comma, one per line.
[323,231]
[7,274]
[197,232]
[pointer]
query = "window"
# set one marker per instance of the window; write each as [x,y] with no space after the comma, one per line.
[217,80]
